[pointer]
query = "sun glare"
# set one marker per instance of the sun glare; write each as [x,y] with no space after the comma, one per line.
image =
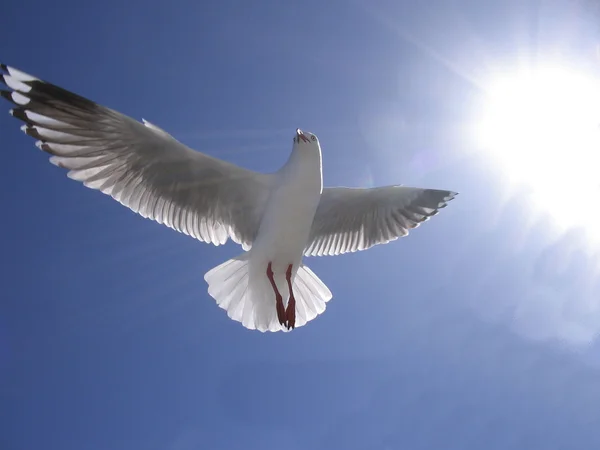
[542,127]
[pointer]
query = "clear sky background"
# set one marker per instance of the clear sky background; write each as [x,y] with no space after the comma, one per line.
[477,331]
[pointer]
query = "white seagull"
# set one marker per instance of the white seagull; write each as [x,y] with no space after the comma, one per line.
[277,218]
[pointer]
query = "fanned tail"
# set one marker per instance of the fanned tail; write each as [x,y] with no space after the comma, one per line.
[248,298]
[311,295]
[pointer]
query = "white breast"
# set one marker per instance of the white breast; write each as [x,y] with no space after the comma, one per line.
[284,230]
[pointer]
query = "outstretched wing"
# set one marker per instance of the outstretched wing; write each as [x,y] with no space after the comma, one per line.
[138,164]
[353,219]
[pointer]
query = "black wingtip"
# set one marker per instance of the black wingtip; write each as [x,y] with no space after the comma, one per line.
[19,113]
[4,67]
[31,131]
[6,95]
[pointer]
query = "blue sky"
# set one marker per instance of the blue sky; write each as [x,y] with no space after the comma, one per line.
[477,331]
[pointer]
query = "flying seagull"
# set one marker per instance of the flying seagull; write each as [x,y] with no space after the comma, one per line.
[277,218]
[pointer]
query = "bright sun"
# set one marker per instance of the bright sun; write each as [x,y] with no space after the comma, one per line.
[542,127]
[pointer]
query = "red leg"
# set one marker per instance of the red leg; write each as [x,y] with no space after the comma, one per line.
[278,299]
[290,312]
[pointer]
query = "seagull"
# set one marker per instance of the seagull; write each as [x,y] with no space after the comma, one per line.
[277,218]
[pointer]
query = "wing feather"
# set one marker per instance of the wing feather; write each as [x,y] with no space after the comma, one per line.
[139,164]
[353,219]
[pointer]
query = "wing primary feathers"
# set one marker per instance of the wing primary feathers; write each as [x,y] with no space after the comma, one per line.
[139,164]
[352,219]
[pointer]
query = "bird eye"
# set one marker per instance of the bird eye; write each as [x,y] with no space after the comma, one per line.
[313,138]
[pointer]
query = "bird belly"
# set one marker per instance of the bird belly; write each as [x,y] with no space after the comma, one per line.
[286,225]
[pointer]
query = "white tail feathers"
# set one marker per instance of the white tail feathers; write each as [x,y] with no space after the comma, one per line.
[249,298]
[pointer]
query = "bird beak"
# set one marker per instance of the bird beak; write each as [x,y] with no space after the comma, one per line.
[301,135]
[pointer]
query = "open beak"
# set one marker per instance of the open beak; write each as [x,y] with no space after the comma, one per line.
[301,135]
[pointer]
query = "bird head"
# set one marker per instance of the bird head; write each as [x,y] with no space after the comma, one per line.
[305,141]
